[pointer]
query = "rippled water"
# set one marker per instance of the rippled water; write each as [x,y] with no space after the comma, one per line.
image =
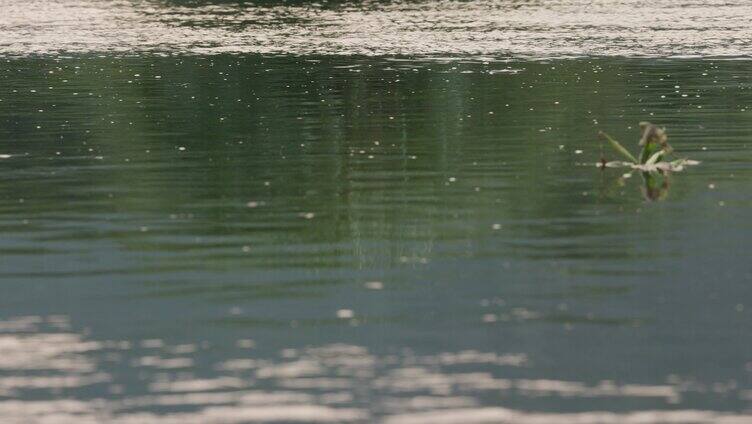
[484,27]
[411,230]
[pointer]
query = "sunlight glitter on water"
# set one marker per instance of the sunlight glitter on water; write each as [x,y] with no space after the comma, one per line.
[43,356]
[190,236]
[565,28]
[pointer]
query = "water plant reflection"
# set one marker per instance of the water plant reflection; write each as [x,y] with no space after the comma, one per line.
[654,169]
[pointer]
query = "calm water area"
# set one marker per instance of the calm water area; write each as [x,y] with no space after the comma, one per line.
[363,212]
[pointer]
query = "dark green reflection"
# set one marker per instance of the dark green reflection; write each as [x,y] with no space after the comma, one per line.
[227,163]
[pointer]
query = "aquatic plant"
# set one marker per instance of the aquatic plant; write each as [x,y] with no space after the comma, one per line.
[655,148]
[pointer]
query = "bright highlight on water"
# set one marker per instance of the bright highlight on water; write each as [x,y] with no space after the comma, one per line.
[371,212]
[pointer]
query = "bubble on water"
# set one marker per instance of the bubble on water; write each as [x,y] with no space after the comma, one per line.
[345,313]
[374,285]
[245,343]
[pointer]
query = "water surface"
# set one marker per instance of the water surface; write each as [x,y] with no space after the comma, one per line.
[201,237]
[519,28]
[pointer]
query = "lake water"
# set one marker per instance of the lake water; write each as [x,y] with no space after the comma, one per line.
[356,212]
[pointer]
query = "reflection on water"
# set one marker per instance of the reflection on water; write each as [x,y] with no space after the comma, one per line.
[232,238]
[45,360]
[656,185]
[487,27]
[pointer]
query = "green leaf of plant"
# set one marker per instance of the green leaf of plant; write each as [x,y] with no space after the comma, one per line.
[618,147]
[653,159]
[684,161]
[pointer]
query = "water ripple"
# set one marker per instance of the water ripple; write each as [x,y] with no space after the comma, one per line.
[534,29]
[327,383]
